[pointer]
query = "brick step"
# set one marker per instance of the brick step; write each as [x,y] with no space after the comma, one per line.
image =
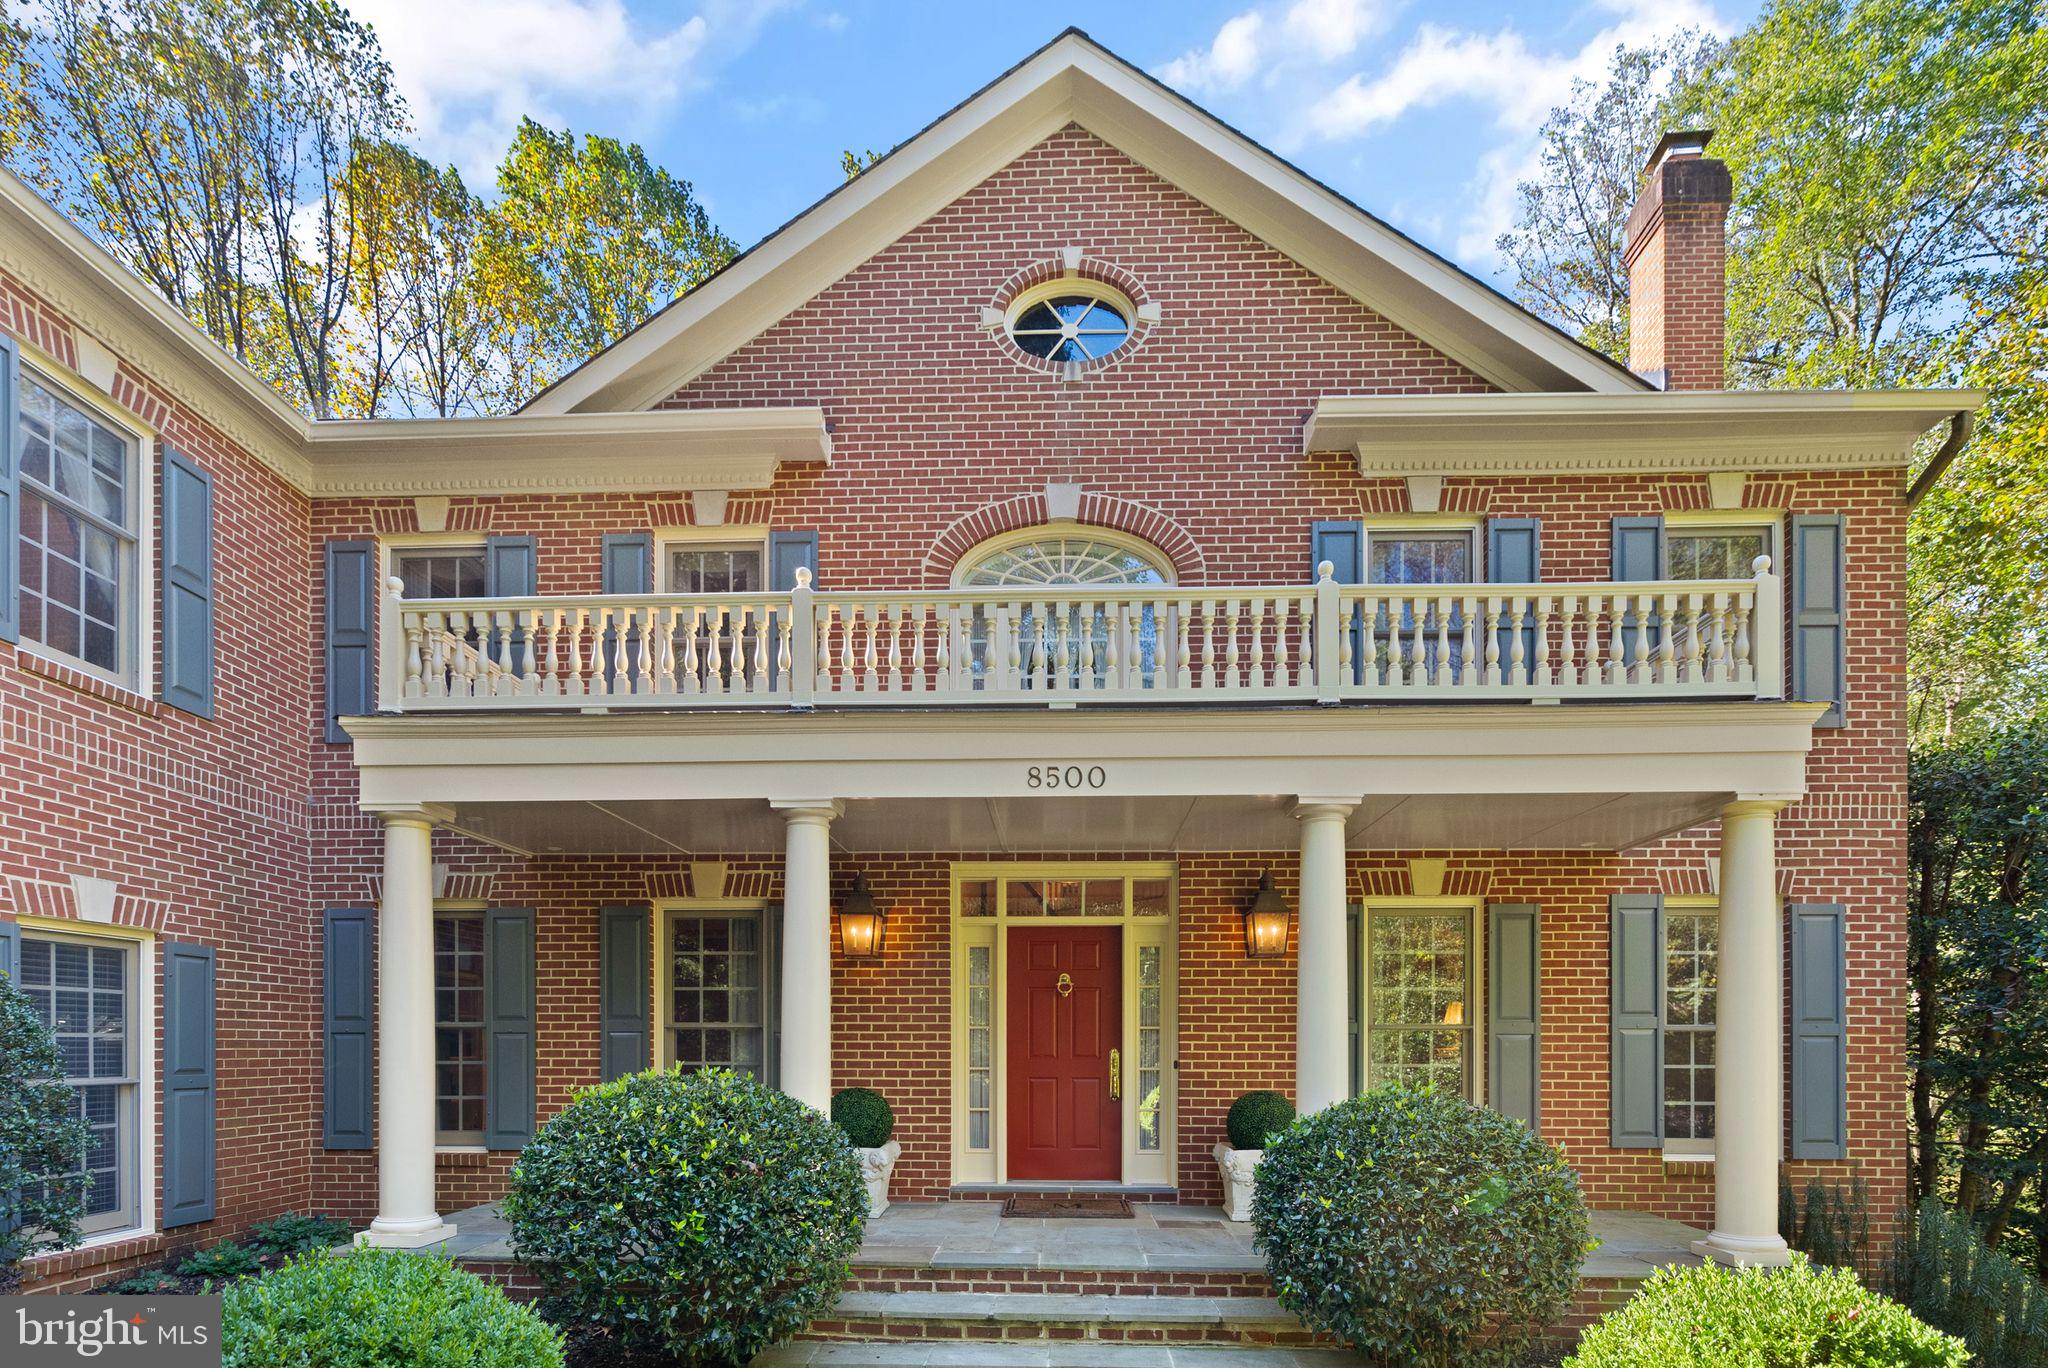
[1225,1279]
[1042,1354]
[894,1317]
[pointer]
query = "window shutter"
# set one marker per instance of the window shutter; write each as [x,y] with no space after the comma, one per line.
[1514,556]
[10,948]
[187,585]
[351,613]
[628,563]
[1637,555]
[1636,1020]
[1514,1014]
[1820,1032]
[788,552]
[348,1028]
[10,493]
[1354,947]
[1342,544]
[1818,673]
[623,974]
[771,1013]
[188,1190]
[509,567]
[509,1053]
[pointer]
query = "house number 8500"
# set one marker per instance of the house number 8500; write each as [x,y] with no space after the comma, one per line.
[1065,777]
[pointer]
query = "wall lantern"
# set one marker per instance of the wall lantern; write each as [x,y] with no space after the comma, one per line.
[1265,922]
[861,923]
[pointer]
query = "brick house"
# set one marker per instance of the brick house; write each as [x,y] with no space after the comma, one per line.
[897,664]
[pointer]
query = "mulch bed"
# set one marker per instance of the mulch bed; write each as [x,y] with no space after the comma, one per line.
[171,1283]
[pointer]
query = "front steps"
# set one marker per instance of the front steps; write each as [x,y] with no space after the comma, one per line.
[1087,1354]
[1149,1318]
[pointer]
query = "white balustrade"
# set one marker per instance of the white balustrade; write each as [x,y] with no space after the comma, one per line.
[1070,645]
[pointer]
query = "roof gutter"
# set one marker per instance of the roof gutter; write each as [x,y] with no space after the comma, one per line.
[1959,429]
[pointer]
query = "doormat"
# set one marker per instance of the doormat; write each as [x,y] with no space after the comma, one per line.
[1070,1208]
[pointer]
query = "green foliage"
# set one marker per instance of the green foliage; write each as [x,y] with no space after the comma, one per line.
[292,1233]
[377,1308]
[224,1260]
[1256,1117]
[864,1115]
[1797,1317]
[1419,1228]
[852,163]
[147,1285]
[705,1215]
[1830,1224]
[40,1135]
[1942,1270]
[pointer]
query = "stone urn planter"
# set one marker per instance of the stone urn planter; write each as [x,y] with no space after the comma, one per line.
[875,1167]
[1239,1168]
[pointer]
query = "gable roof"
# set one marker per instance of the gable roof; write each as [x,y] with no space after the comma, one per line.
[1073,79]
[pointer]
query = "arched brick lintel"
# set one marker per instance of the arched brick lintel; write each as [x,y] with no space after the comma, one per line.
[1097,510]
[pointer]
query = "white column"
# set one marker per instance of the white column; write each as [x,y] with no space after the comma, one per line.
[1322,1036]
[406,1214]
[807,949]
[1749,1075]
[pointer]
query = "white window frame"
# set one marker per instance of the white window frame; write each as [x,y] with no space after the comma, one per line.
[1475,980]
[390,632]
[974,556]
[1436,525]
[142,1157]
[1706,522]
[749,536]
[1686,1151]
[1060,288]
[662,1018]
[461,1142]
[138,609]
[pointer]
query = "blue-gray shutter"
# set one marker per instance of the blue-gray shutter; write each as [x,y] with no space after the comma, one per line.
[1636,1020]
[187,585]
[1820,1032]
[623,974]
[1514,555]
[771,950]
[628,568]
[348,1028]
[10,492]
[1514,1014]
[1818,652]
[509,572]
[788,552]
[1637,556]
[1354,960]
[351,635]
[188,1186]
[1342,544]
[509,1053]
[10,948]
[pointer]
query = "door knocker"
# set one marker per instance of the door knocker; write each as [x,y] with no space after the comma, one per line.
[1065,986]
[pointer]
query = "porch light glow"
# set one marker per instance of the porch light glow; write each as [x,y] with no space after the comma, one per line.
[861,923]
[1265,922]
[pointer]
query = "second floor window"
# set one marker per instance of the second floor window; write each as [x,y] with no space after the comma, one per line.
[441,572]
[78,540]
[1714,553]
[714,569]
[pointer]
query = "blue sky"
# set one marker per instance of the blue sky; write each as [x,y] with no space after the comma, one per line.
[1424,111]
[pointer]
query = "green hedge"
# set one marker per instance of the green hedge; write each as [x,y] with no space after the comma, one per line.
[1796,1317]
[379,1308]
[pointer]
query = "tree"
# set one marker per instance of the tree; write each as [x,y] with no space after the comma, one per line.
[852,163]
[1569,237]
[589,240]
[42,1140]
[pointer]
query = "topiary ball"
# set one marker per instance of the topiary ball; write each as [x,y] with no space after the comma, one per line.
[1419,1228]
[864,1115]
[1256,1118]
[706,1215]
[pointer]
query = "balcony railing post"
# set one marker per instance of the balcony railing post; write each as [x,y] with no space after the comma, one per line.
[1329,631]
[1769,650]
[393,648]
[803,644]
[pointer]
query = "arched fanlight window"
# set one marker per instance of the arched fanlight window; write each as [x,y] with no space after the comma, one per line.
[1038,559]
[1063,560]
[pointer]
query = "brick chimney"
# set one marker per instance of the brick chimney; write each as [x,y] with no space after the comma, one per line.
[1677,262]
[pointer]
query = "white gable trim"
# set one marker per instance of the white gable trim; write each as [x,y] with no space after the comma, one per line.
[1072,80]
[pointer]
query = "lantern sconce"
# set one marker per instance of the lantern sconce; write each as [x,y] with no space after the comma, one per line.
[1265,922]
[861,923]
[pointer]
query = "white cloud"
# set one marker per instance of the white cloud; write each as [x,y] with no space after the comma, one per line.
[469,69]
[1229,62]
[1274,39]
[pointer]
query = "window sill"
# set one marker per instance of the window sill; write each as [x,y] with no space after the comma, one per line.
[459,1148]
[62,671]
[1685,1157]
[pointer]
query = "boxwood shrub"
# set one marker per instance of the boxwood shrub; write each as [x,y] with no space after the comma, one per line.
[379,1308]
[1419,1228]
[1797,1317]
[1256,1117]
[864,1115]
[702,1215]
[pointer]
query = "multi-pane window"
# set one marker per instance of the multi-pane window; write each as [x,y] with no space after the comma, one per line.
[714,569]
[1421,556]
[83,992]
[441,572]
[1151,1035]
[1418,989]
[78,521]
[1692,981]
[1061,561]
[459,1027]
[718,1000]
[1714,553]
[980,1044]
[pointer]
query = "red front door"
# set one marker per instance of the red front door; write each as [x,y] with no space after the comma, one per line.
[1066,1021]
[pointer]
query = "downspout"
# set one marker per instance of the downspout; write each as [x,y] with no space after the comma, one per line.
[1959,429]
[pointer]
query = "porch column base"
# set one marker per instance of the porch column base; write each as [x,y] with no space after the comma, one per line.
[1738,1251]
[384,1234]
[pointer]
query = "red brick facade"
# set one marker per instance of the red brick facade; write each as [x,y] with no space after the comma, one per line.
[237,832]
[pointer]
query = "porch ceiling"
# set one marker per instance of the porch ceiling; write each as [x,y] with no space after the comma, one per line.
[1089,825]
